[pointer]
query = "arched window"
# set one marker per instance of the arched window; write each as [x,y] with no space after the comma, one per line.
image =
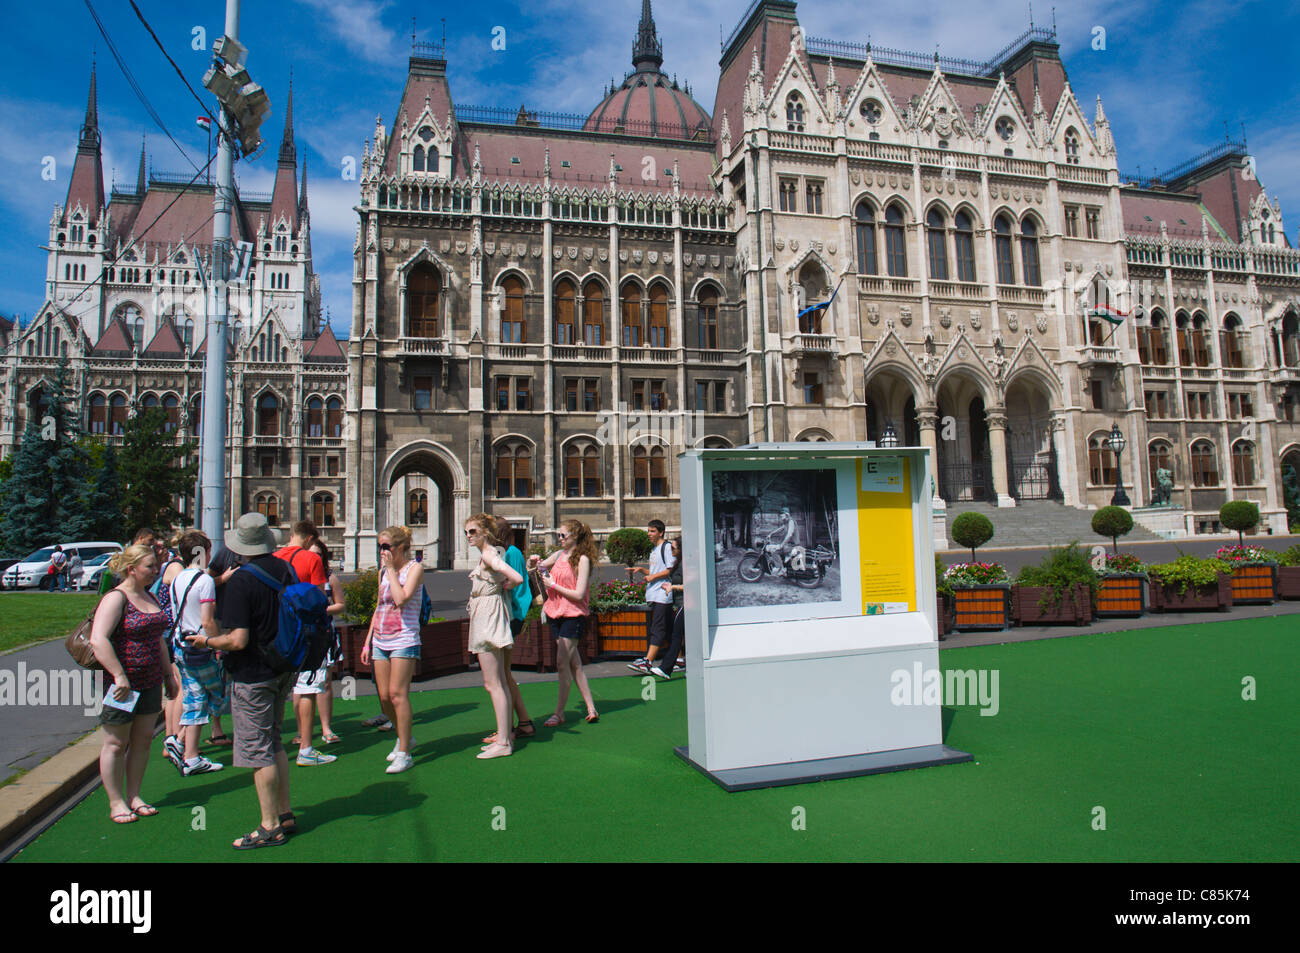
[150,402]
[813,283]
[794,113]
[334,418]
[98,414]
[865,231]
[137,334]
[895,242]
[565,312]
[1205,468]
[315,417]
[1201,339]
[1071,147]
[581,470]
[268,504]
[1160,457]
[649,471]
[593,314]
[1183,324]
[658,330]
[417,508]
[196,414]
[1101,460]
[1002,250]
[1231,339]
[937,244]
[322,509]
[1029,253]
[1289,345]
[964,245]
[417,159]
[1243,463]
[423,298]
[512,315]
[631,308]
[1153,347]
[117,415]
[268,416]
[514,470]
[187,334]
[707,316]
[172,408]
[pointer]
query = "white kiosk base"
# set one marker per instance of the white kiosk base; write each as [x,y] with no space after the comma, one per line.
[826,769]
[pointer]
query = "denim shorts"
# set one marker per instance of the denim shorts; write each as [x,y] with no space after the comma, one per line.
[569,627]
[380,655]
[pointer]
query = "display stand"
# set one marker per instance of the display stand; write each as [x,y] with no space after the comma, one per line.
[795,646]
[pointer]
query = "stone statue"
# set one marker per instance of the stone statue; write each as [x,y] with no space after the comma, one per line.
[1164,488]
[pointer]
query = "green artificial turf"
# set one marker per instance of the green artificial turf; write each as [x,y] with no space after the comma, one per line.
[1149,725]
[28,617]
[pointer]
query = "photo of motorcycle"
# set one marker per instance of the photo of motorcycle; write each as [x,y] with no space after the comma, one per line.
[804,567]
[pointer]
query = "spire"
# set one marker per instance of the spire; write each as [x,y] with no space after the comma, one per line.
[140,180]
[86,187]
[288,153]
[648,53]
[302,193]
[90,128]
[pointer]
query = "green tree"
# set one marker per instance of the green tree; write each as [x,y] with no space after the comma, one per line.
[68,463]
[1112,521]
[104,516]
[628,546]
[25,497]
[155,470]
[972,530]
[1239,515]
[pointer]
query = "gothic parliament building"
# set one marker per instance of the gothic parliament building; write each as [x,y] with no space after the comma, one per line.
[548,308]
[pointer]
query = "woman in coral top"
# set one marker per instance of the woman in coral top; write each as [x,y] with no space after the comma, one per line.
[567,590]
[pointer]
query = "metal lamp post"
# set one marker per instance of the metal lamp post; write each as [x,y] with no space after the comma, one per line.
[1116,443]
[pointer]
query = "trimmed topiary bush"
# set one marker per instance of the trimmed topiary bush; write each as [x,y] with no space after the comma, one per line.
[627,546]
[1112,521]
[972,530]
[1240,515]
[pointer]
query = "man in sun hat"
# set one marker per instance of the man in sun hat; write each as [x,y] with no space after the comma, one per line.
[257,694]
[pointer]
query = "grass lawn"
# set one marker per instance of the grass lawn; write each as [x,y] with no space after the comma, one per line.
[27,617]
[1149,725]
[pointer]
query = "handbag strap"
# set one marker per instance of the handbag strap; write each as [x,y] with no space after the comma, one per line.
[179,607]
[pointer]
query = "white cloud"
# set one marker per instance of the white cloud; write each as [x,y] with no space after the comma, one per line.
[358,25]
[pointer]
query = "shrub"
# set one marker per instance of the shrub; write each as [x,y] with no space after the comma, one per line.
[941,584]
[965,575]
[1240,515]
[1289,557]
[1112,521]
[972,530]
[360,596]
[1060,570]
[627,546]
[1188,571]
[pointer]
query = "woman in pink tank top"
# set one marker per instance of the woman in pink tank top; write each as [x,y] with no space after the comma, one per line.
[566,606]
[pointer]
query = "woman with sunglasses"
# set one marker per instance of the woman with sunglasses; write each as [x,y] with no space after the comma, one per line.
[566,606]
[490,637]
[393,641]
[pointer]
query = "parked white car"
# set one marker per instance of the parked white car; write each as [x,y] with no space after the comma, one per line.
[91,570]
[33,571]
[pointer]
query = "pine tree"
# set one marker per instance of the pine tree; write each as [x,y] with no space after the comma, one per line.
[68,463]
[104,517]
[25,497]
[151,471]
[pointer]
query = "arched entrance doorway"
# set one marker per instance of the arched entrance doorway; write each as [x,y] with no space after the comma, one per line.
[1291,487]
[891,399]
[423,486]
[1031,456]
[965,466]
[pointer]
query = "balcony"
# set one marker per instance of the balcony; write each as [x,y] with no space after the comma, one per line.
[512,352]
[813,344]
[1095,354]
[647,355]
[958,290]
[877,284]
[1021,295]
[417,347]
[580,352]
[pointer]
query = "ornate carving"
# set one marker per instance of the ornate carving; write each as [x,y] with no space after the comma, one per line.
[974,319]
[715,261]
[637,256]
[794,244]
[603,254]
[588,253]
[573,252]
[873,313]
[1013,322]
[668,258]
[780,243]
[461,247]
[832,247]
[687,258]
[652,257]
[945,318]
[388,244]
[558,253]
[489,248]
[521,249]
[905,315]
[622,255]
[1040,322]
[536,251]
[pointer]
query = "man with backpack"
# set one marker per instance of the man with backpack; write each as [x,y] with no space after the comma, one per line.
[276,628]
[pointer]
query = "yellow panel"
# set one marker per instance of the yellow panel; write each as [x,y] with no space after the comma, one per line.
[885,544]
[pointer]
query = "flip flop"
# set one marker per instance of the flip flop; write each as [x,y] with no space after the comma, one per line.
[127,818]
[221,741]
[330,738]
[261,838]
[592,718]
[553,722]
[145,810]
[525,729]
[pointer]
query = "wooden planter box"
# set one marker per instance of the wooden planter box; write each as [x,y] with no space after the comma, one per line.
[351,639]
[1203,599]
[442,648]
[1254,585]
[1288,582]
[624,632]
[1121,595]
[981,608]
[545,658]
[1074,607]
[944,615]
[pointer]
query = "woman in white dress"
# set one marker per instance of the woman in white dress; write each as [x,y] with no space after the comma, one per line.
[489,625]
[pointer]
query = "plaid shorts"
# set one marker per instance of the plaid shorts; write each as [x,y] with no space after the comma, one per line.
[203,690]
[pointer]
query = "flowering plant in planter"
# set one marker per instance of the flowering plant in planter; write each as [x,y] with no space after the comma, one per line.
[1122,563]
[1289,557]
[1243,555]
[1189,572]
[965,575]
[618,595]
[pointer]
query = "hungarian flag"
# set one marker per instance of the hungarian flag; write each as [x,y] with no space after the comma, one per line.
[818,308]
[204,123]
[1113,315]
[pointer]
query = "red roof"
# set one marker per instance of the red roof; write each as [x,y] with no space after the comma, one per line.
[188,221]
[116,339]
[1181,213]
[426,78]
[166,343]
[648,103]
[325,347]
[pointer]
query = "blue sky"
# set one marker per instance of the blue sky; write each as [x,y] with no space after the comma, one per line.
[1170,75]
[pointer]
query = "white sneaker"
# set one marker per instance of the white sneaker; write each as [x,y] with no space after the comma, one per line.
[397,746]
[401,762]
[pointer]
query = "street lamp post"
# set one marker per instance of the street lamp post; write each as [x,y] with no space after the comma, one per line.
[1116,443]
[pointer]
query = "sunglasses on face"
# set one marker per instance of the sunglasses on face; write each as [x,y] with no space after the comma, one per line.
[561,536]
[471,532]
[385,547]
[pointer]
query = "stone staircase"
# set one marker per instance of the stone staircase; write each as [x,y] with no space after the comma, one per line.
[1039,523]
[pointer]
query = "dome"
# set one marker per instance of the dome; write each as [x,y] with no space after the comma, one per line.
[648,102]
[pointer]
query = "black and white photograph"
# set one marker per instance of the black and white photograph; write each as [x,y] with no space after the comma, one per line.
[775,537]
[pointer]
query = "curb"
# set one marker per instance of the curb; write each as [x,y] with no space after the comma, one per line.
[24,802]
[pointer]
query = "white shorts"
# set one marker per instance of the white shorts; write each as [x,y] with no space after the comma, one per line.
[312,683]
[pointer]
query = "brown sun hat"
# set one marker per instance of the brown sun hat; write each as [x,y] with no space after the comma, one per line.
[252,536]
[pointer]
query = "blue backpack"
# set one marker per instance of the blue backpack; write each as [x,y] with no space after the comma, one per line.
[302,636]
[426,606]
